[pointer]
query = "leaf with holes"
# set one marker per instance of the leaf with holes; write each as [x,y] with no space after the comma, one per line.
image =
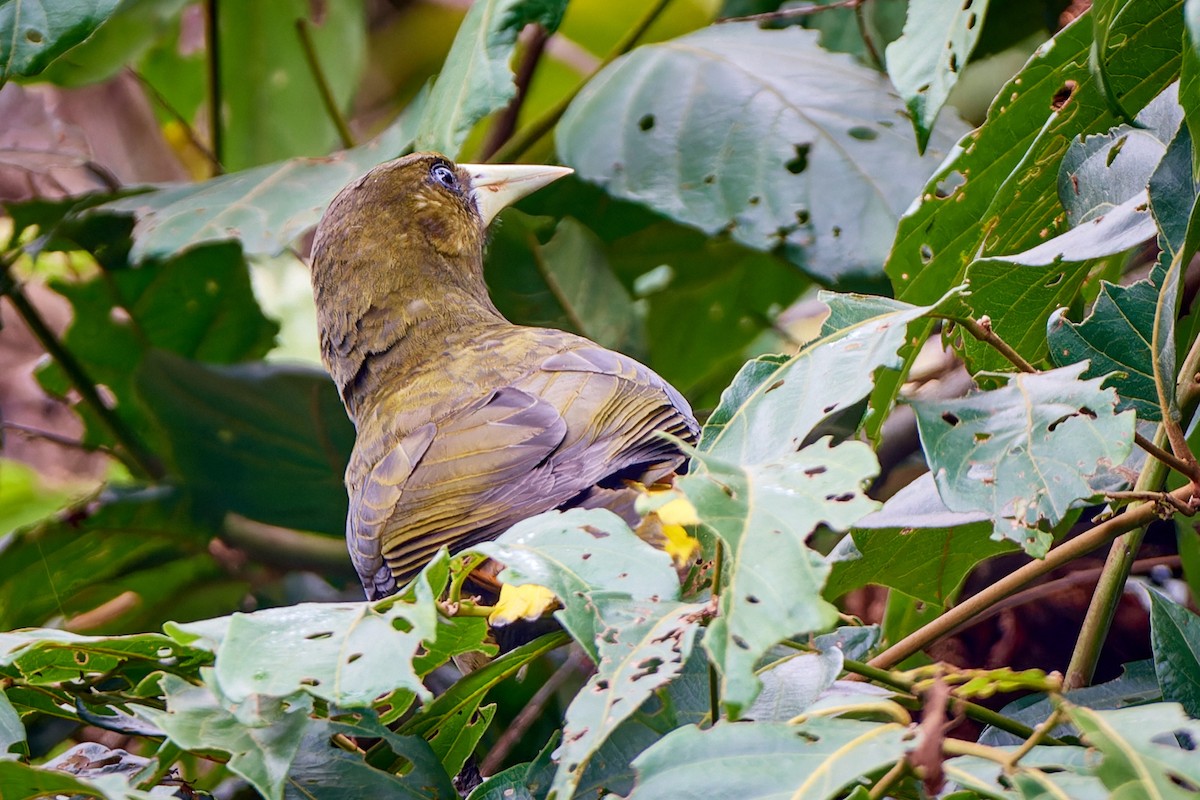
[1175,639]
[815,760]
[344,653]
[1023,453]
[761,420]
[477,79]
[456,737]
[35,32]
[760,133]
[577,553]
[925,61]
[46,656]
[1115,341]
[1140,749]
[643,646]
[764,515]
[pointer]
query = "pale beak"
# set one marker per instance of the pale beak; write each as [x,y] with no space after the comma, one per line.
[498,186]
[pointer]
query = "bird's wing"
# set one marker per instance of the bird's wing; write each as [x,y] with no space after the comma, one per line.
[585,417]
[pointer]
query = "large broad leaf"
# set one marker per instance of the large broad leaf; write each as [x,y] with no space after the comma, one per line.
[477,78]
[261,737]
[267,441]
[345,653]
[645,645]
[1175,637]
[768,413]
[265,208]
[198,305]
[271,102]
[1023,453]
[1141,757]
[757,132]
[578,553]
[46,656]
[815,760]
[764,514]
[914,544]
[925,61]
[35,32]
[138,555]
[998,196]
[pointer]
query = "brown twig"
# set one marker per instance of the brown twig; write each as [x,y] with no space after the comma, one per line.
[1166,457]
[792,13]
[188,131]
[981,329]
[323,88]
[56,438]
[575,662]
[216,133]
[860,17]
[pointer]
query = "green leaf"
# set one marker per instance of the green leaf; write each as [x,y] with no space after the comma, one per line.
[272,108]
[764,514]
[35,32]
[19,780]
[267,441]
[144,543]
[1115,341]
[24,498]
[1048,772]
[924,62]
[523,781]
[645,644]
[757,132]
[752,376]
[576,554]
[457,737]
[914,544]
[1023,453]
[815,760]
[1141,757]
[477,79]
[794,683]
[996,196]
[12,733]
[45,656]
[266,208]
[261,737]
[125,36]
[198,305]
[1175,638]
[344,653]
[826,377]
[324,771]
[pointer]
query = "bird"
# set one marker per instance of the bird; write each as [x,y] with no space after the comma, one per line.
[465,422]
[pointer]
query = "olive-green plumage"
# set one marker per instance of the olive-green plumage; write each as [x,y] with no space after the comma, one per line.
[466,422]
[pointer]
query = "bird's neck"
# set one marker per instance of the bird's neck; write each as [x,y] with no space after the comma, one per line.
[400,335]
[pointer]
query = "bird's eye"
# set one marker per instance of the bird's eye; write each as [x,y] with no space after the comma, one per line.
[444,175]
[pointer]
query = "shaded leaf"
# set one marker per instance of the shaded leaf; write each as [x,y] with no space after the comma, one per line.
[45,656]
[924,62]
[769,759]
[269,441]
[456,738]
[528,781]
[12,732]
[1140,755]
[764,514]
[25,780]
[1175,638]
[1023,453]
[35,32]
[772,152]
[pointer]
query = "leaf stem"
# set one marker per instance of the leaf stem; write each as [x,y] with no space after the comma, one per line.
[981,329]
[323,88]
[860,16]
[140,460]
[792,13]
[527,137]
[880,789]
[1040,732]
[1132,518]
[1165,456]
[714,680]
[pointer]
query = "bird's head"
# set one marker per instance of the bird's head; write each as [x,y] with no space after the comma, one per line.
[401,248]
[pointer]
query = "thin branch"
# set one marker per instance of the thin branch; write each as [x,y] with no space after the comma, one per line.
[138,458]
[575,661]
[714,680]
[792,13]
[890,778]
[1132,518]
[528,136]
[1040,733]
[323,88]
[216,134]
[981,329]
[860,16]
[56,438]
[284,547]
[1164,498]
[188,131]
[1179,465]
[535,44]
